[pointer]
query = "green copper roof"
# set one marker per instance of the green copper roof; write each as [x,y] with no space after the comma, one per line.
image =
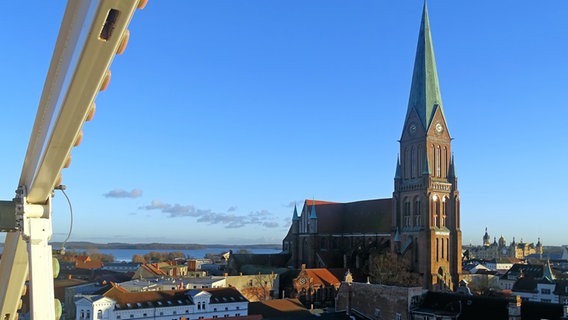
[425,89]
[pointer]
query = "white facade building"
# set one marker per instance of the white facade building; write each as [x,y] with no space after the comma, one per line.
[117,303]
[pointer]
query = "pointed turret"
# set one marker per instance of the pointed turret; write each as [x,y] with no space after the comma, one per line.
[425,95]
[313,227]
[295,221]
[547,272]
[452,168]
[426,166]
[486,238]
[313,212]
[397,174]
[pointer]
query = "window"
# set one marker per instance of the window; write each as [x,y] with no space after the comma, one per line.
[398,316]
[406,213]
[437,249]
[417,212]
[545,291]
[100,314]
[413,163]
[438,162]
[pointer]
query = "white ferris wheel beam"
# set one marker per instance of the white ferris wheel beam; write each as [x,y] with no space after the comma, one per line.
[82,57]
[90,35]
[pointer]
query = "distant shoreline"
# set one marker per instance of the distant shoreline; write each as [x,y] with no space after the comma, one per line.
[160,246]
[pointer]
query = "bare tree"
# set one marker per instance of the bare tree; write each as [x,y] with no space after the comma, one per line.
[391,269]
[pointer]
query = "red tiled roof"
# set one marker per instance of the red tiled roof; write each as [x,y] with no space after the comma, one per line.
[317,202]
[322,277]
[88,264]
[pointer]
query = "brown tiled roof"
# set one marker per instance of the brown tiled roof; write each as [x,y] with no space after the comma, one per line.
[153,268]
[526,284]
[223,295]
[366,216]
[278,308]
[59,286]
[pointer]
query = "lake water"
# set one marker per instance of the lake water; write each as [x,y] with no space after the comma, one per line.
[126,254]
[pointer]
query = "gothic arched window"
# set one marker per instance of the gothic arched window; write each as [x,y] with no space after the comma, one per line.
[413,162]
[417,212]
[438,162]
[406,222]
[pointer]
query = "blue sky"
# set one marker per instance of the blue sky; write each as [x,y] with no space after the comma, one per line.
[222,114]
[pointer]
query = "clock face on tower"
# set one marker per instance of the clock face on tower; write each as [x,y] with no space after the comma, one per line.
[412,128]
[439,128]
[302,281]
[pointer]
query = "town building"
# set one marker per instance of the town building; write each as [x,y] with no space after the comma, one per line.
[421,222]
[537,272]
[166,268]
[499,249]
[118,303]
[316,287]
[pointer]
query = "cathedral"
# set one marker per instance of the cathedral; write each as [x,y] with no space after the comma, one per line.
[420,224]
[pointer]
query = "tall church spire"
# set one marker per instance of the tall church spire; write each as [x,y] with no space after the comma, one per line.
[426,199]
[425,95]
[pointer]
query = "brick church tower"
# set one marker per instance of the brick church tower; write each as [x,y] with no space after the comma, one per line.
[426,204]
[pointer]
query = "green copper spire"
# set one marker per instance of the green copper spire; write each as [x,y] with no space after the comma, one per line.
[295,216]
[313,213]
[425,95]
